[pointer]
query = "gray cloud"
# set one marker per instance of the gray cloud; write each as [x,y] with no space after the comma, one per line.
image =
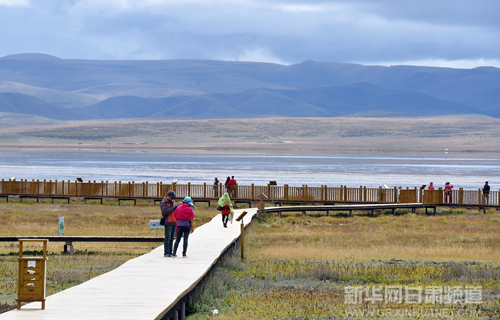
[456,33]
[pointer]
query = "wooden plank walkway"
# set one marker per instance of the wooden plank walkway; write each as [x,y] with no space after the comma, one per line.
[142,288]
[352,207]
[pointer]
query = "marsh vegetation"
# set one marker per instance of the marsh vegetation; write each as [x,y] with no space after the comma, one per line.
[298,267]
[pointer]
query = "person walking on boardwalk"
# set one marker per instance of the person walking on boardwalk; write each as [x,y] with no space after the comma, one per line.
[448,198]
[227,209]
[184,215]
[216,187]
[168,206]
[486,193]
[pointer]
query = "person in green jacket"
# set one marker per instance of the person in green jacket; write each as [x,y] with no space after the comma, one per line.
[227,209]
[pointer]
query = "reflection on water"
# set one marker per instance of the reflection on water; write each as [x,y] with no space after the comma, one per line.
[292,170]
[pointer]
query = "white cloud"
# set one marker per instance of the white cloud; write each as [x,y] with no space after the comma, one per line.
[14,3]
[298,8]
[278,31]
[255,55]
[442,63]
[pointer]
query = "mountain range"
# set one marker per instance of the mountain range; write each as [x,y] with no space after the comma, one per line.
[46,86]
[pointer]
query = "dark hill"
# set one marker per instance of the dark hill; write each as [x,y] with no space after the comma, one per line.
[356,99]
[210,89]
[23,104]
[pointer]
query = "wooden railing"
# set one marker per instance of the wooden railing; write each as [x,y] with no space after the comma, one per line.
[285,193]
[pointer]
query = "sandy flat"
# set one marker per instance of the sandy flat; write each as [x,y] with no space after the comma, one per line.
[453,136]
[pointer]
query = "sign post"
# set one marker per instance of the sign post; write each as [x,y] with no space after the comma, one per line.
[155,224]
[242,237]
[61,226]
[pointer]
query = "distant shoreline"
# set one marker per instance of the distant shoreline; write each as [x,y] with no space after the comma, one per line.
[463,137]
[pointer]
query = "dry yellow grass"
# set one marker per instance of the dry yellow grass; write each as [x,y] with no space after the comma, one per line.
[91,258]
[297,267]
[410,237]
[41,219]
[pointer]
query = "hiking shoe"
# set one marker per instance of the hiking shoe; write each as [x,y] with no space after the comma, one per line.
[168,255]
[173,255]
[184,256]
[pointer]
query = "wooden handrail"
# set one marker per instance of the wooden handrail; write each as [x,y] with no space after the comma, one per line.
[285,193]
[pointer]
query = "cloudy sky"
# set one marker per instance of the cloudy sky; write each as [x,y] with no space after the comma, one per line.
[448,33]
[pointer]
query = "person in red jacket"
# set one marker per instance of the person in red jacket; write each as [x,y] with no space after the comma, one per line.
[232,187]
[447,192]
[184,215]
[167,211]
[431,186]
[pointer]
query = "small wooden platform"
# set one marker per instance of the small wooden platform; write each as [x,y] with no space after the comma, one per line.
[147,287]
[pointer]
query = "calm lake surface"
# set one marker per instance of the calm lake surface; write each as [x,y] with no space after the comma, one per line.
[247,169]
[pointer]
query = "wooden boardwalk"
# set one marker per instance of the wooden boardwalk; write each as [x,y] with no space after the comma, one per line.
[142,288]
[353,207]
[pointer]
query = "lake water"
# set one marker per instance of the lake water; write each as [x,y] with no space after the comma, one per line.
[247,169]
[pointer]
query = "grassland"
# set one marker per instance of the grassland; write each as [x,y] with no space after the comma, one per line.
[298,267]
[91,258]
[461,136]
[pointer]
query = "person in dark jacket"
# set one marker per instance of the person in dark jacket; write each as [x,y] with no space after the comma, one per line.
[216,187]
[184,215]
[486,193]
[226,184]
[168,207]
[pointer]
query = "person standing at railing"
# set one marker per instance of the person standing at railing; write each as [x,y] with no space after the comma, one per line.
[232,187]
[168,207]
[226,184]
[431,186]
[226,207]
[216,187]
[184,215]
[448,198]
[486,193]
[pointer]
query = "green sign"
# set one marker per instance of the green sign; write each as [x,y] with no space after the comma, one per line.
[61,226]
